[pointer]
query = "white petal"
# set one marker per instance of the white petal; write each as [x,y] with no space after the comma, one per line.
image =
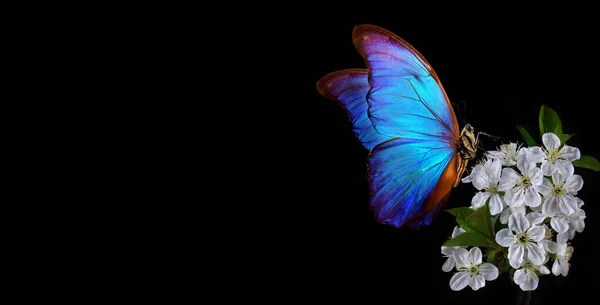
[551,246]
[495,154]
[562,250]
[564,268]
[473,173]
[532,197]
[448,251]
[515,255]
[535,218]
[508,179]
[518,223]
[557,179]
[565,168]
[494,170]
[468,178]
[489,271]
[457,231]
[475,256]
[505,238]
[536,233]
[460,257]
[569,153]
[551,141]
[524,165]
[542,269]
[579,202]
[560,225]
[562,238]
[531,282]
[535,154]
[496,205]
[476,282]
[556,268]
[504,216]
[448,264]
[578,225]
[548,168]
[459,281]
[567,204]
[574,184]
[518,197]
[520,277]
[535,253]
[508,196]
[479,199]
[536,176]
[550,207]
[546,187]
[481,180]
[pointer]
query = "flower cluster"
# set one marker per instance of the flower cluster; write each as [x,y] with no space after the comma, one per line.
[529,195]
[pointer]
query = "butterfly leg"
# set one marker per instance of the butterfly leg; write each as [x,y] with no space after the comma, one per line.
[462,165]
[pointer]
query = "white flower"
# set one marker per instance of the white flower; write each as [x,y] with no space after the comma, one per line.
[526,277]
[536,218]
[472,271]
[522,241]
[557,158]
[522,189]
[486,179]
[474,172]
[509,211]
[559,193]
[507,154]
[576,222]
[561,264]
[449,251]
[558,222]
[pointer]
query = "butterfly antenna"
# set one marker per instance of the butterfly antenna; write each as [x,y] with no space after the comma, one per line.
[459,111]
[464,112]
[479,144]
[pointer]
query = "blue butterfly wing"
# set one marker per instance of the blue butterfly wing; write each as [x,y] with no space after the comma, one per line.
[412,174]
[350,88]
[404,175]
[406,99]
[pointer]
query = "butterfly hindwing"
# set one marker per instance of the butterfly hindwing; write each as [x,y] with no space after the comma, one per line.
[404,173]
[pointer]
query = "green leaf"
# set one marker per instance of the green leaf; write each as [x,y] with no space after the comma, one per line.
[481,221]
[588,162]
[549,121]
[565,137]
[528,138]
[461,215]
[462,212]
[468,239]
[512,274]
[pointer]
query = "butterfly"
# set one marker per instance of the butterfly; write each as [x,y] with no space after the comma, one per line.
[400,112]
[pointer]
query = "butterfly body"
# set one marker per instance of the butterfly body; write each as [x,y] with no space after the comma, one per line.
[402,115]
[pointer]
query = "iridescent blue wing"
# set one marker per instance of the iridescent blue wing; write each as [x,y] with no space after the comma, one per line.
[410,176]
[405,177]
[350,88]
[406,99]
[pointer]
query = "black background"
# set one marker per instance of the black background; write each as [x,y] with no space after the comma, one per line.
[503,70]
